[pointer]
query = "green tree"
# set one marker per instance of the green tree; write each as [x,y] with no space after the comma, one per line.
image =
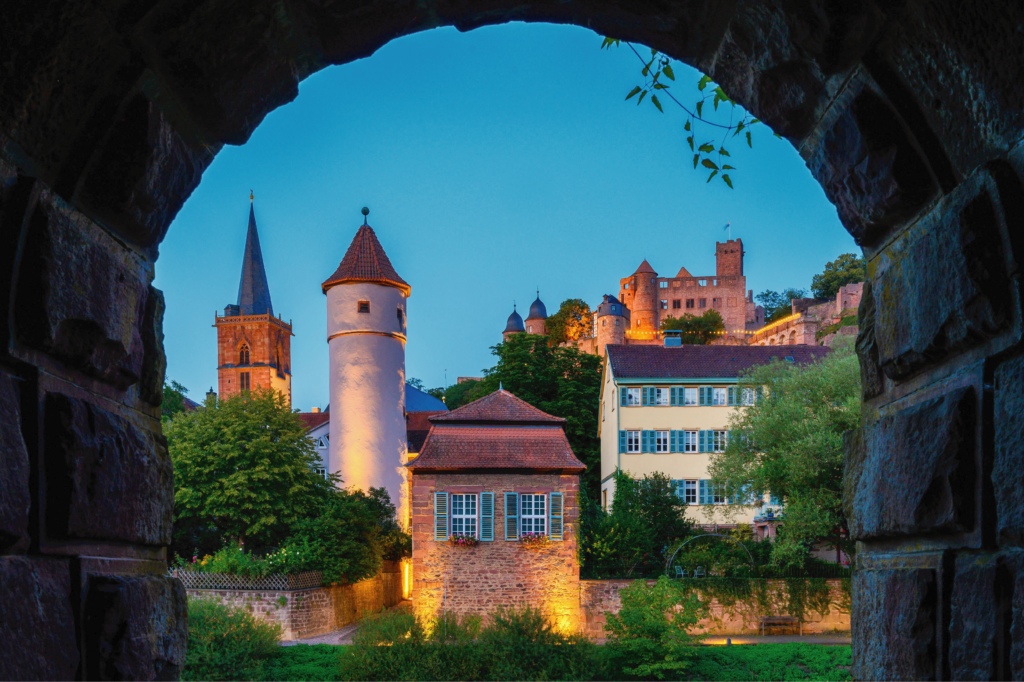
[560,381]
[790,443]
[574,321]
[244,468]
[698,330]
[458,395]
[415,383]
[173,402]
[778,305]
[845,269]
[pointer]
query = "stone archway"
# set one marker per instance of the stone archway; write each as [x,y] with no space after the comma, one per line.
[908,114]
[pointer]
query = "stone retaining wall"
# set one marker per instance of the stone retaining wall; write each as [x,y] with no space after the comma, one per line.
[316,611]
[741,618]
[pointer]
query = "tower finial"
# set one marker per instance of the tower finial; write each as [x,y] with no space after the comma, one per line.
[366,212]
[250,196]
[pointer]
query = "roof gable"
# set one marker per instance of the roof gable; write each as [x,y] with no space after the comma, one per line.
[365,261]
[697,362]
[498,407]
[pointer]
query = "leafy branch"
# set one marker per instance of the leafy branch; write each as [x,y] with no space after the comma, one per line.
[710,153]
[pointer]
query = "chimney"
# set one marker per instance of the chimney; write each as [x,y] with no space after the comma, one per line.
[315,410]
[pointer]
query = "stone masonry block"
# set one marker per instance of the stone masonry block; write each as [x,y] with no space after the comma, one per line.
[151,386]
[915,472]
[15,498]
[81,295]
[975,635]
[1015,562]
[37,620]
[894,624]
[942,286]
[106,479]
[1008,467]
[135,627]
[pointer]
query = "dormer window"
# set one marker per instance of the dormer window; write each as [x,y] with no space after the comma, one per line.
[243,355]
[364,306]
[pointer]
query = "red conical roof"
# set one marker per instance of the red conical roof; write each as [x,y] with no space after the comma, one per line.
[365,261]
[645,267]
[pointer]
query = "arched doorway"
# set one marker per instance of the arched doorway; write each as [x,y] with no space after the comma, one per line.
[908,115]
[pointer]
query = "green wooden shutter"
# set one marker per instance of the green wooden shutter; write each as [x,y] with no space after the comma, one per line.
[440,516]
[673,396]
[511,516]
[555,516]
[487,517]
[702,492]
[702,441]
[622,396]
[622,441]
[643,441]
[732,395]
[702,396]
[643,396]
[673,441]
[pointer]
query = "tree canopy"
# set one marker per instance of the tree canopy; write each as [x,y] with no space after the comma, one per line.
[845,269]
[173,402]
[574,321]
[791,444]
[698,330]
[244,466]
[778,305]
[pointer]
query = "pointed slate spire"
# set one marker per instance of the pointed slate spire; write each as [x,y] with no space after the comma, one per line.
[253,290]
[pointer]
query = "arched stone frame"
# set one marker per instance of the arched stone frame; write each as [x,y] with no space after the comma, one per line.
[909,115]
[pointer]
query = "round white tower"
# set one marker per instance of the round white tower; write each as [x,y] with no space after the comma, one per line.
[366,308]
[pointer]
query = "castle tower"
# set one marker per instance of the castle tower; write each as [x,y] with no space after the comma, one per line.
[639,291]
[536,323]
[729,258]
[612,322]
[514,325]
[254,348]
[366,333]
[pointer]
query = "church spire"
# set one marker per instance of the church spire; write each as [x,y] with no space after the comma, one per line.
[253,290]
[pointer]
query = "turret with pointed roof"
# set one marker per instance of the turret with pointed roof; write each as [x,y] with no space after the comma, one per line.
[365,261]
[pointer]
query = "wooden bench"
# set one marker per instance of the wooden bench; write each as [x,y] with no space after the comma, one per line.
[780,621]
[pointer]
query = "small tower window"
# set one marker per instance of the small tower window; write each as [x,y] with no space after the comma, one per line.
[602,322]
[244,377]
[243,354]
[401,316]
[364,306]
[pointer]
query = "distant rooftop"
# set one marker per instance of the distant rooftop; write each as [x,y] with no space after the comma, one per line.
[689,361]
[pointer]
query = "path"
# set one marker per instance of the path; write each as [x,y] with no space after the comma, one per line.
[341,636]
[830,640]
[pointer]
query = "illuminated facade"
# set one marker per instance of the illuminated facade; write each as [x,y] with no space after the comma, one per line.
[666,409]
[496,471]
[253,346]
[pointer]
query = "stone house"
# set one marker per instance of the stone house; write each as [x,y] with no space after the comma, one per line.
[496,470]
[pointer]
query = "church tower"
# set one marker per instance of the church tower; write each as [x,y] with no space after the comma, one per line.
[254,348]
[366,308]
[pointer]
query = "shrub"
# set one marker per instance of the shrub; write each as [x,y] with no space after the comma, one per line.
[226,643]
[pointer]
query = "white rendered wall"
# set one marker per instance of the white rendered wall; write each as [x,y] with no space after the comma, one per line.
[367,387]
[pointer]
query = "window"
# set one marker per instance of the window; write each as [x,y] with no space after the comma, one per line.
[401,315]
[708,495]
[364,306]
[661,441]
[660,396]
[716,441]
[632,441]
[323,442]
[529,330]
[626,285]
[689,396]
[747,396]
[664,305]
[689,441]
[632,396]
[663,285]
[677,304]
[464,515]
[716,303]
[703,303]
[321,471]
[702,282]
[603,322]
[243,355]
[616,323]
[244,380]
[719,396]
[613,309]
[533,515]
[687,491]
[689,303]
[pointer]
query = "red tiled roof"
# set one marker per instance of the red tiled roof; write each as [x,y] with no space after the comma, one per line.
[451,446]
[500,406]
[417,426]
[365,261]
[645,267]
[688,361]
[314,419]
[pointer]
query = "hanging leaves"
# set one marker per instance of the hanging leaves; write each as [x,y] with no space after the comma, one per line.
[654,100]
[727,180]
[667,70]
[708,163]
[713,174]
[633,92]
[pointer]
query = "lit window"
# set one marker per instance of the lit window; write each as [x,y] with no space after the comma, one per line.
[632,441]
[632,396]
[533,514]
[364,306]
[661,396]
[716,441]
[690,396]
[689,441]
[719,396]
[661,441]
[464,515]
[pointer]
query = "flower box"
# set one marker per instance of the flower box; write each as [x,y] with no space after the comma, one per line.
[459,540]
[534,540]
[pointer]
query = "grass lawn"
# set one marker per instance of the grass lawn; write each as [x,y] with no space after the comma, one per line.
[740,662]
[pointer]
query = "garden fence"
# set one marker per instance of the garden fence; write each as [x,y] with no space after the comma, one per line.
[197,580]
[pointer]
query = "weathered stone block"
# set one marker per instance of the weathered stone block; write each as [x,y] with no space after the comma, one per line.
[916,471]
[1015,561]
[135,627]
[143,174]
[105,477]
[36,619]
[869,167]
[975,635]
[942,286]
[894,624]
[15,498]
[872,383]
[81,295]
[154,360]
[1008,467]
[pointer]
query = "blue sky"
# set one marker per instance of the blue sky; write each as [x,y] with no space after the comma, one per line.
[493,162]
